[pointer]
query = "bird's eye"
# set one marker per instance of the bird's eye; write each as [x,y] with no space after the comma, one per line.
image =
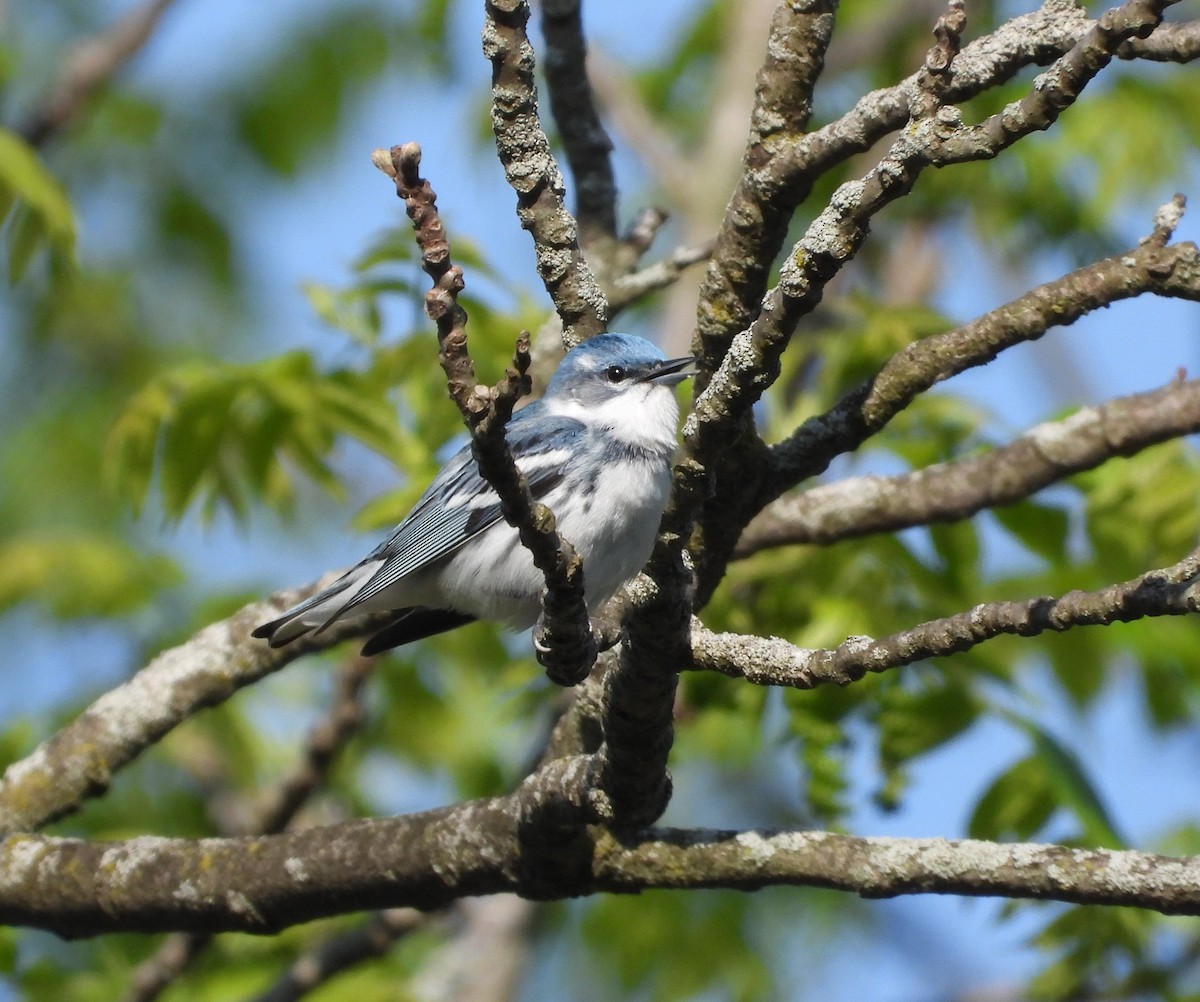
[614,373]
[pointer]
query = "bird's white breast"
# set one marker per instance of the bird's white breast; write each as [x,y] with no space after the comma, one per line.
[610,516]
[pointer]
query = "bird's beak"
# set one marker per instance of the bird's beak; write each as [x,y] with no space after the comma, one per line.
[672,371]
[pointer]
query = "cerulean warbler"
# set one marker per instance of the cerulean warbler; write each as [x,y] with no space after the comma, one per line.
[596,450]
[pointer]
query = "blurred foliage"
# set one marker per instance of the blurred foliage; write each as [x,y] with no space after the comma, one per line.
[35,213]
[149,399]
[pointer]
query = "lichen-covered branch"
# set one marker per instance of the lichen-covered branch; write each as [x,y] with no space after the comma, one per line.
[1171,591]
[80,760]
[1046,454]
[730,303]
[78,888]
[889,867]
[563,638]
[937,139]
[1152,266]
[264,883]
[640,688]
[534,175]
[756,220]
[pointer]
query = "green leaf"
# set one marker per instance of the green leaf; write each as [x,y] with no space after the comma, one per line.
[189,225]
[1017,804]
[1041,529]
[1073,790]
[41,210]
[219,433]
[292,107]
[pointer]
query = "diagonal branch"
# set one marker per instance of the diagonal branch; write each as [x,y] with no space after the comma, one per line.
[1037,38]
[756,220]
[80,760]
[937,139]
[532,172]
[1152,266]
[334,956]
[639,693]
[946,492]
[563,638]
[628,289]
[89,66]
[1171,591]
[1170,43]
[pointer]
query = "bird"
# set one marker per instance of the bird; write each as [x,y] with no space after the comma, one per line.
[596,449]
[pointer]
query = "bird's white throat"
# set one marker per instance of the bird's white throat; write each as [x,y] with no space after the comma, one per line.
[644,416]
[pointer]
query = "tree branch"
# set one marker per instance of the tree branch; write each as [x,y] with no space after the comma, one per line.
[1170,43]
[756,220]
[265,883]
[78,888]
[89,66]
[640,689]
[80,760]
[587,144]
[937,139]
[1036,38]
[889,867]
[1171,591]
[563,638]
[533,174]
[1150,267]
[946,492]
[332,957]
[629,288]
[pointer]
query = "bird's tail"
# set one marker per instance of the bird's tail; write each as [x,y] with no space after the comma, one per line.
[319,611]
[341,599]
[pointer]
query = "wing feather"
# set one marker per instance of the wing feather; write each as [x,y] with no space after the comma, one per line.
[460,504]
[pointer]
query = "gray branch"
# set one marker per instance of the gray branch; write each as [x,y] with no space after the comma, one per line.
[80,760]
[945,492]
[1171,591]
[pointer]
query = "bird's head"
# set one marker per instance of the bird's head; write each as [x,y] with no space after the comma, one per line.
[611,367]
[623,384]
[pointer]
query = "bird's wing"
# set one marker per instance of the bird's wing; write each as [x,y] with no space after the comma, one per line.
[460,504]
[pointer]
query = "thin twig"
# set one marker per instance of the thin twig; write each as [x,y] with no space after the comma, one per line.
[562,638]
[333,956]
